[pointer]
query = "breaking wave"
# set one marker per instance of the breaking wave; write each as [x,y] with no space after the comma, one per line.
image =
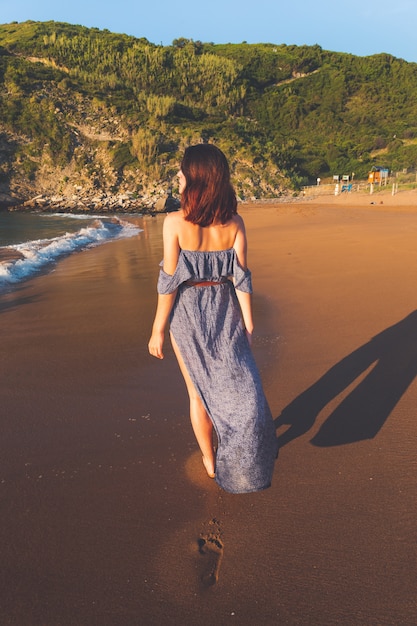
[19,262]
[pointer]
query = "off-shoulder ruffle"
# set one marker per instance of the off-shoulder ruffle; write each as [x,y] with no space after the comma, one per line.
[213,265]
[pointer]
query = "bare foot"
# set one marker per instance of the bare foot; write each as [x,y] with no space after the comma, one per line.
[209,468]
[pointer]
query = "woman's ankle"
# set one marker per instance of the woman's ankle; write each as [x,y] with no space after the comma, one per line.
[209,467]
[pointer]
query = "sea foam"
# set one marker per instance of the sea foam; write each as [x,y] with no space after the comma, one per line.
[37,255]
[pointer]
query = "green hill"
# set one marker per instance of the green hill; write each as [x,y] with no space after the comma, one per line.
[87,108]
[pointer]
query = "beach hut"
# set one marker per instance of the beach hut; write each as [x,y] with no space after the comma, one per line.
[378,175]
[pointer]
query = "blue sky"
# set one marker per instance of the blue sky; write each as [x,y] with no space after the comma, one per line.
[361,27]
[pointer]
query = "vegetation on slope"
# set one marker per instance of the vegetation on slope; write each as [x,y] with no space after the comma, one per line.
[106,111]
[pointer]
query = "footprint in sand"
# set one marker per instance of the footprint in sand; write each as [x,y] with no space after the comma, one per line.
[211,547]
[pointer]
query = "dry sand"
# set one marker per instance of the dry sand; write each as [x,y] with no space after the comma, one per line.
[107,514]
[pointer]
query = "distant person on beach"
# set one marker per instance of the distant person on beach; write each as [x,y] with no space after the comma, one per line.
[205,291]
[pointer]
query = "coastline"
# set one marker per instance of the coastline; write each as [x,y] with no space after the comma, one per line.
[383,197]
[108,515]
[127,203]
[102,203]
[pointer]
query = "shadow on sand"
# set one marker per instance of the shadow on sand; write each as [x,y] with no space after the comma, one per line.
[390,357]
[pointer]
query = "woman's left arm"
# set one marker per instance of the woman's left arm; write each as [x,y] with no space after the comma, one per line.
[156,342]
[165,301]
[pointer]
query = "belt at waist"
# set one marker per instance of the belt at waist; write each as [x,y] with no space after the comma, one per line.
[205,283]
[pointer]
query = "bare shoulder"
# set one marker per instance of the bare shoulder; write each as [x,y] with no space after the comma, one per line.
[173,222]
[239,223]
[173,219]
[240,244]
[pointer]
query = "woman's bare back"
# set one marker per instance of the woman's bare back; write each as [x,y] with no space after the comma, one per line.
[207,238]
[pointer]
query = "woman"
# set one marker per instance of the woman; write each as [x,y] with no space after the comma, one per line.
[205,291]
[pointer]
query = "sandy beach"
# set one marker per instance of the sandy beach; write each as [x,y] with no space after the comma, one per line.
[108,517]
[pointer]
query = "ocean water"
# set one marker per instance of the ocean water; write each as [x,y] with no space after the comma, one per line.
[32,242]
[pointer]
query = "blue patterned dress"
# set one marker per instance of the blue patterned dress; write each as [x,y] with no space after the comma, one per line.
[207,325]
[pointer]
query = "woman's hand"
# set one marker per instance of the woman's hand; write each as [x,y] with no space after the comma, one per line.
[249,336]
[156,343]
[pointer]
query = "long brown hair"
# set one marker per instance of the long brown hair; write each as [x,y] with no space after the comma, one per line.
[208,195]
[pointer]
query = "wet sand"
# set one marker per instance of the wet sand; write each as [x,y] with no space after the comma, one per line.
[107,514]
[7,254]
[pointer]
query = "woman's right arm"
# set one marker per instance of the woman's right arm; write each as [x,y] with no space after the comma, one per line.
[244,298]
